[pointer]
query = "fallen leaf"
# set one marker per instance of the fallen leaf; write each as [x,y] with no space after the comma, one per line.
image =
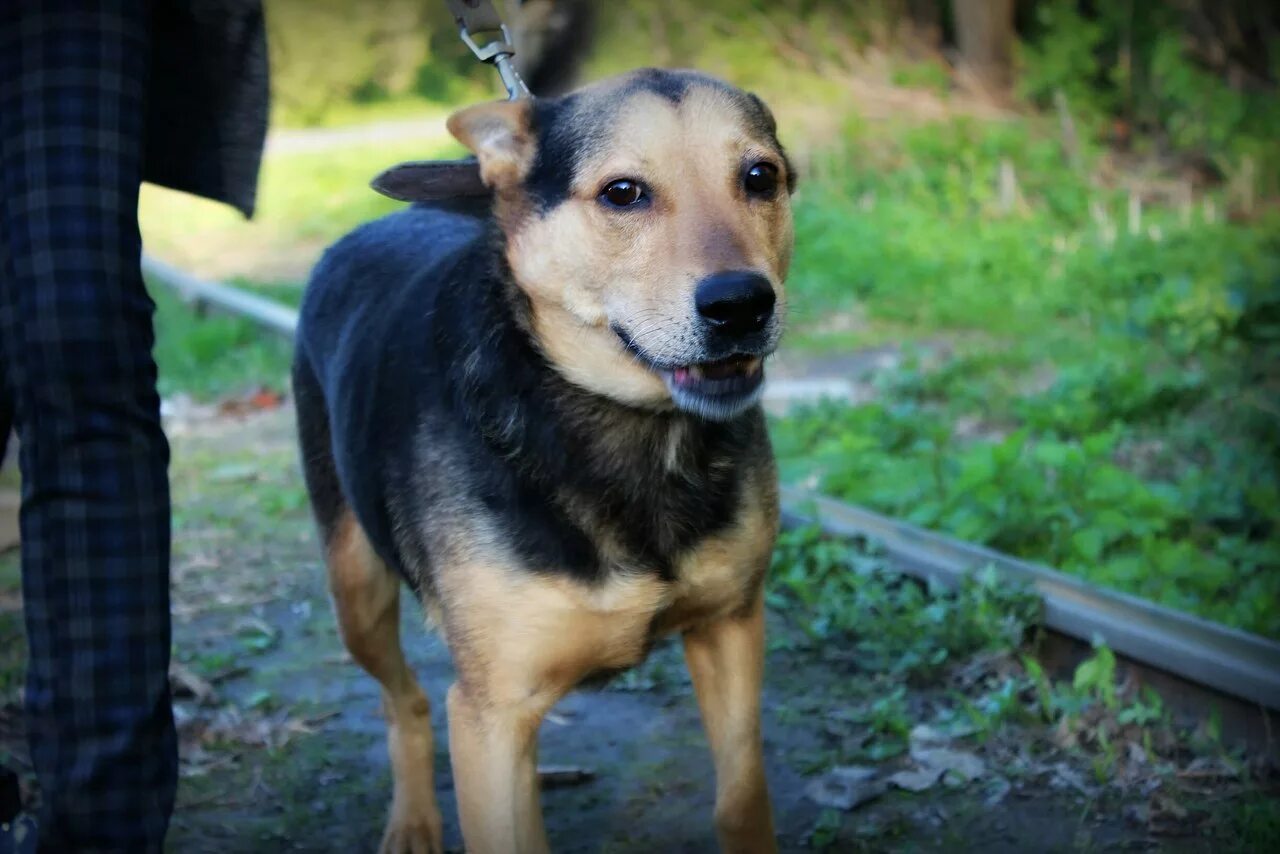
[1065,777]
[323,717]
[998,791]
[1138,814]
[327,778]
[265,398]
[855,773]
[230,673]
[916,781]
[256,401]
[1209,768]
[256,624]
[186,683]
[1164,806]
[966,766]
[923,735]
[846,787]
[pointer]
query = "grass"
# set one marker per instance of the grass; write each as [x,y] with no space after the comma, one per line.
[964,664]
[1074,391]
[899,628]
[213,356]
[306,200]
[13,645]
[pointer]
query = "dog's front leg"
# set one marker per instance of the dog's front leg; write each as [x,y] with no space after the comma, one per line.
[520,642]
[493,746]
[726,661]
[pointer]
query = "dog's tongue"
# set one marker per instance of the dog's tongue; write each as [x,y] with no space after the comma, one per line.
[715,370]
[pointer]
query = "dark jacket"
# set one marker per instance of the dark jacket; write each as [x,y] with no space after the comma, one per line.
[207,98]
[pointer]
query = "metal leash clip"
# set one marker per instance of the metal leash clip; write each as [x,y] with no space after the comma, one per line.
[479,16]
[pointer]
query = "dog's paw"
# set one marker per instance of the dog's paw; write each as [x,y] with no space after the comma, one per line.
[420,833]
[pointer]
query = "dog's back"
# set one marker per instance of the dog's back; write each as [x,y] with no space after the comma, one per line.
[378,284]
[374,264]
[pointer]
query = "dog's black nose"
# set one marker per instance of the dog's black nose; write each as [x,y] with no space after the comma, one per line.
[736,302]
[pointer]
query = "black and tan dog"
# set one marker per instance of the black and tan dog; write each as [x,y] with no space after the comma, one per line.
[539,407]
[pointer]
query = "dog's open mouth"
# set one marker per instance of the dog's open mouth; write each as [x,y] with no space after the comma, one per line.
[735,375]
[717,389]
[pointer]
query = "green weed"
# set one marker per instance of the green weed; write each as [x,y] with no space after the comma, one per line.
[1125,438]
[214,355]
[839,593]
[1254,823]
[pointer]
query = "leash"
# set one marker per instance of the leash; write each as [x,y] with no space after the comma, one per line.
[427,180]
[479,16]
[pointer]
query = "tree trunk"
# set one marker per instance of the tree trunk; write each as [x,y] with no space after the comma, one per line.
[984,33]
[926,17]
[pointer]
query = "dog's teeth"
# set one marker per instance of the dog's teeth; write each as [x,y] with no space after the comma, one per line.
[695,372]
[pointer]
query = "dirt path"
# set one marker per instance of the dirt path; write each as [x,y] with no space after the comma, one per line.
[298,140]
[282,742]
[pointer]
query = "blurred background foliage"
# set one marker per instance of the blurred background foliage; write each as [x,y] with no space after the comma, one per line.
[1043,235]
[1192,78]
[334,59]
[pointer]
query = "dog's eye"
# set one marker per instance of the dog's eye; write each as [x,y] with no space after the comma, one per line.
[623,193]
[761,180]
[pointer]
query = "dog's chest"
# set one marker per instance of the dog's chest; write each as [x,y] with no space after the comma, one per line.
[665,501]
[701,515]
[722,573]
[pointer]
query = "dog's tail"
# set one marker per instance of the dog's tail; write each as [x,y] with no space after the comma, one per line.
[552,39]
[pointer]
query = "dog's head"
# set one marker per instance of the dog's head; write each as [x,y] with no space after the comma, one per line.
[648,220]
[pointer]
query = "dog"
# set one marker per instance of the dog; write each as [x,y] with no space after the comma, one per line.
[534,396]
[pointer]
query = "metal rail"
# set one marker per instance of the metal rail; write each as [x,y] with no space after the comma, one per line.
[1234,662]
[268,312]
[1244,666]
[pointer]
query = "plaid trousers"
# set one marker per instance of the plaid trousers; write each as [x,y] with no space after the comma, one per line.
[76,366]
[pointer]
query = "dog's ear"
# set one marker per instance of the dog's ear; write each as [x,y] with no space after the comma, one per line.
[431,180]
[501,136]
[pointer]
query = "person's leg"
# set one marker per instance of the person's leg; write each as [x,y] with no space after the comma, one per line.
[6,416]
[6,397]
[77,340]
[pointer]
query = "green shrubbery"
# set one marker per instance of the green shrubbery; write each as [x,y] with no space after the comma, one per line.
[899,627]
[331,59]
[972,648]
[1178,76]
[1099,402]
